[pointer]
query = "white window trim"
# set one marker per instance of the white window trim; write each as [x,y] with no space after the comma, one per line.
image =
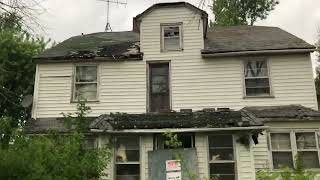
[234,161]
[73,89]
[115,163]
[271,93]
[294,148]
[162,26]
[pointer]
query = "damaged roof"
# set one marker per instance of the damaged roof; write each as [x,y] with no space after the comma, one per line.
[282,113]
[219,41]
[251,38]
[115,45]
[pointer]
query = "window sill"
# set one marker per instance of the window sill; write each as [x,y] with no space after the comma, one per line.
[171,50]
[257,97]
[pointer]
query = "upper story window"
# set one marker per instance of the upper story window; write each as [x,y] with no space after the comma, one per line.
[256,77]
[285,146]
[159,87]
[171,37]
[85,83]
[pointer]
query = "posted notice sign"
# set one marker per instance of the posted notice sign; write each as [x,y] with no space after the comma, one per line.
[174,175]
[173,165]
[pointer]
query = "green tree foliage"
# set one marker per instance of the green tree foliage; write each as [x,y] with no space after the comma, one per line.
[241,12]
[50,157]
[16,67]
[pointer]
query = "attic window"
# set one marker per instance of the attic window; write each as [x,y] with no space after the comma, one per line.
[85,83]
[171,37]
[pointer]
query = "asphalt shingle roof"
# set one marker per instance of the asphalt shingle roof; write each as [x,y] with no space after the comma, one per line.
[251,38]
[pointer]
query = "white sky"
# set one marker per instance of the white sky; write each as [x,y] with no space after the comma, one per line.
[66,18]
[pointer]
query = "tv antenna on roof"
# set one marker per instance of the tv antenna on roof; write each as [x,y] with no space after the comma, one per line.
[108,26]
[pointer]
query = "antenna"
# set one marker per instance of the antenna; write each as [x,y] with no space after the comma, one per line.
[108,26]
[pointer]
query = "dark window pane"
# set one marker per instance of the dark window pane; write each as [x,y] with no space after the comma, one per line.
[257,83]
[159,88]
[282,159]
[257,91]
[309,159]
[222,177]
[306,140]
[222,170]
[170,32]
[127,149]
[221,154]
[128,169]
[172,43]
[221,141]
[280,141]
[185,139]
[86,73]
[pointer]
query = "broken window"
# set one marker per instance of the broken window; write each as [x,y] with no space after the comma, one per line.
[256,78]
[187,140]
[171,37]
[127,158]
[286,146]
[221,157]
[159,92]
[85,83]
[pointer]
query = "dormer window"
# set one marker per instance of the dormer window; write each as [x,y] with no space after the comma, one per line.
[171,37]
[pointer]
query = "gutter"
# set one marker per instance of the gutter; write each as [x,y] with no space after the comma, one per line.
[179,130]
[245,53]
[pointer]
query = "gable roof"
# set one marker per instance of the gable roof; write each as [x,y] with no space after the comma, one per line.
[220,41]
[114,45]
[251,39]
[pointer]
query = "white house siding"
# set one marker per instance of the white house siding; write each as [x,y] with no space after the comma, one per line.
[201,144]
[261,151]
[146,145]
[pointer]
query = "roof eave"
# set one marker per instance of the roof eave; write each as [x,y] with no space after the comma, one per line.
[209,54]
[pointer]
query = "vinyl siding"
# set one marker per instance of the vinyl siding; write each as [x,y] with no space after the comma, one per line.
[146,145]
[196,83]
[201,145]
[261,151]
[244,161]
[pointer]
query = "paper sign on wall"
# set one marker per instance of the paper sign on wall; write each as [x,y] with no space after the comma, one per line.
[174,175]
[173,165]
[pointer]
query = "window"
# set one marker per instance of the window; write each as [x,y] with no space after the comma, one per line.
[85,83]
[127,158]
[281,150]
[187,140]
[256,78]
[171,37]
[285,146]
[221,157]
[159,98]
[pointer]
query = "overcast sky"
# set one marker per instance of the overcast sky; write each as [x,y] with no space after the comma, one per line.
[66,18]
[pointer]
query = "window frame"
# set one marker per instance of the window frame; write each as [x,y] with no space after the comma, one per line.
[234,161]
[180,26]
[294,146]
[74,82]
[268,62]
[115,163]
[148,79]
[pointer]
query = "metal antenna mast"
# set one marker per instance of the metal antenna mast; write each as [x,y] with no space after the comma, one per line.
[108,26]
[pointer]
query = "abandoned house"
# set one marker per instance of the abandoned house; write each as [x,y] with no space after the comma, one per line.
[240,98]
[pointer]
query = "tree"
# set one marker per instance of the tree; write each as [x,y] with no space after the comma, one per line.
[16,67]
[241,12]
[317,79]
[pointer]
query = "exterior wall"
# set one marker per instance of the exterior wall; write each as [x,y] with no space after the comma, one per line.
[196,83]
[261,153]
[201,143]
[146,145]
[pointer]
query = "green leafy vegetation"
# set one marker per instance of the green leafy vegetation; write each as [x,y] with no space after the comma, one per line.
[241,12]
[285,173]
[52,156]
